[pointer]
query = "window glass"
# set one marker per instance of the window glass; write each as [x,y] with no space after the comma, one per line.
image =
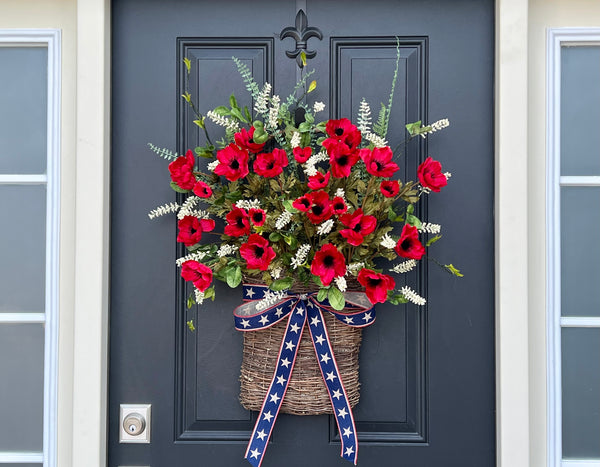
[580,251]
[23,109]
[581,392]
[21,387]
[22,248]
[580,110]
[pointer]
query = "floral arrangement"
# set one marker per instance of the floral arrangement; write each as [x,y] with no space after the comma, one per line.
[301,201]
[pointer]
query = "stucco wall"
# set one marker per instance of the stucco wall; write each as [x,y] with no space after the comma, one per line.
[59,14]
[543,14]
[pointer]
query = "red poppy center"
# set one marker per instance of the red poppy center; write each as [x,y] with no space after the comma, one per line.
[338,205]
[234,164]
[357,228]
[257,217]
[343,160]
[339,131]
[317,210]
[240,222]
[259,251]
[270,165]
[405,245]
[374,282]
[328,261]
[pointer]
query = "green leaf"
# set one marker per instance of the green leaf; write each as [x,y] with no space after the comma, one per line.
[247,114]
[410,209]
[190,325]
[232,102]
[322,295]
[210,293]
[304,127]
[188,64]
[413,128]
[309,118]
[312,86]
[321,126]
[452,270]
[190,301]
[431,241]
[396,299]
[413,220]
[187,96]
[291,240]
[303,57]
[177,188]
[282,284]
[234,277]
[222,111]
[392,216]
[288,205]
[238,114]
[336,298]
[194,247]
[274,236]
[317,280]
[200,122]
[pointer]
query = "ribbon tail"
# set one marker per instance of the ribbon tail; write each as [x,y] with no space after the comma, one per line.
[333,383]
[279,384]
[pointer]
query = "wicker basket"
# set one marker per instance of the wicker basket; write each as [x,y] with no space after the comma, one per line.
[306,394]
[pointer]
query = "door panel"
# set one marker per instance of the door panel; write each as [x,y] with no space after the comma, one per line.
[427,374]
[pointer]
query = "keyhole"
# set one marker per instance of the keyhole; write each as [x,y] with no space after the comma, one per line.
[132,428]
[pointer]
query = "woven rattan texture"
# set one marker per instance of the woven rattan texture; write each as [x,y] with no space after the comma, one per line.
[306,394]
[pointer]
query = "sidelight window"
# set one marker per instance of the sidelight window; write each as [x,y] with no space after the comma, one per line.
[573,244]
[29,155]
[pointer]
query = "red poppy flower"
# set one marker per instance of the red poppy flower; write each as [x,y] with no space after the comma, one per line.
[257,216]
[202,190]
[302,204]
[318,181]
[431,176]
[271,164]
[342,161]
[358,225]
[191,228]
[233,162]
[409,245]
[389,188]
[198,273]
[257,252]
[182,171]
[320,206]
[328,263]
[341,131]
[379,161]
[376,285]
[244,140]
[238,222]
[302,154]
[338,205]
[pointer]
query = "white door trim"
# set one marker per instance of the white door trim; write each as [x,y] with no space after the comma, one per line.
[511,250]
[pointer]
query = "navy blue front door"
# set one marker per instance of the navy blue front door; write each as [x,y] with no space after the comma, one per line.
[427,374]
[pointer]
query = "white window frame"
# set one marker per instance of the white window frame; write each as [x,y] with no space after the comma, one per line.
[556,39]
[51,40]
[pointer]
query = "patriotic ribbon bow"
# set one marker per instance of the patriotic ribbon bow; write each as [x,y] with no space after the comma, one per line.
[300,310]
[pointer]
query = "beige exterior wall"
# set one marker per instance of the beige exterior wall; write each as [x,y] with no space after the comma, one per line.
[543,14]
